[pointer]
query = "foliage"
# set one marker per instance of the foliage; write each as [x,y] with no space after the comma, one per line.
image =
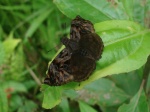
[28,29]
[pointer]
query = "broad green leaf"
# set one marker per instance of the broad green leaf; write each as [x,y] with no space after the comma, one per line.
[52,96]
[111,31]
[3,100]
[125,44]
[137,104]
[85,107]
[72,94]
[104,92]
[96,11]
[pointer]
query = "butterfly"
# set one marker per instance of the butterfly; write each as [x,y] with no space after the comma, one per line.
[77,60]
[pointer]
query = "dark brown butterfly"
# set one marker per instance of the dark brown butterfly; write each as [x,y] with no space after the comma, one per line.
[57,73]
[63,71]
[78,60]
[83,58]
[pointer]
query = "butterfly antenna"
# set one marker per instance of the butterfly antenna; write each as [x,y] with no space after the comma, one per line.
[53,48]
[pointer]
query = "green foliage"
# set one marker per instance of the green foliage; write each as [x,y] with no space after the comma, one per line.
[38,21]
[53,94]
[137,104]
[125,42]
[2,53]
[3,102]
[122,46]
[98,11]
[27,32]
[10,44]
[28,29]
[64,105]
[85,108]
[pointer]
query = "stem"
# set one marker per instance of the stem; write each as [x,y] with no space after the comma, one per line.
[146,72]
[33,75]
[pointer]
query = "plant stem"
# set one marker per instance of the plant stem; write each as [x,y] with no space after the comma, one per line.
[146,72]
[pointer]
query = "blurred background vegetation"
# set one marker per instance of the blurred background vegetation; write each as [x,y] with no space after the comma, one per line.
[28,30]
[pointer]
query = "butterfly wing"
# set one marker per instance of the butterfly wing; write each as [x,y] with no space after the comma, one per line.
[92,44]
[81,67]
[57,73]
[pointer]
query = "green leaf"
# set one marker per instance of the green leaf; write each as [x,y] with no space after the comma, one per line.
[122,81]
[3,101]
[128,5]
[85,107]
[139,11]
[137,104]
[104,92]
[52,96]
[72,94]
[125,44]
[96,11]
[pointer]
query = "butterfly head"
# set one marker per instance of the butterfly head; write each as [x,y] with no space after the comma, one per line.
[82,25]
